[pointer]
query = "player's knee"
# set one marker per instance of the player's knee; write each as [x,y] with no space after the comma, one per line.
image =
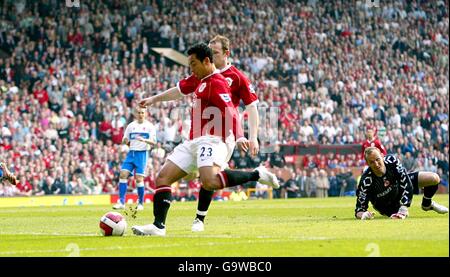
[161,180]
[123,174]
[209,183]
[208,186]
[435,178]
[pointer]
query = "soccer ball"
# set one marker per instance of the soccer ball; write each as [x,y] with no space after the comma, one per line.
[113,224]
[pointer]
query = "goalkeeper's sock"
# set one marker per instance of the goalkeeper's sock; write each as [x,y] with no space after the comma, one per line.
[204,200]
[140,191]
[428,193]
[161,205]
[123,183]
[231,178]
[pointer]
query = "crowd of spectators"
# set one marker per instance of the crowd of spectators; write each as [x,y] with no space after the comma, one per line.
[70,77]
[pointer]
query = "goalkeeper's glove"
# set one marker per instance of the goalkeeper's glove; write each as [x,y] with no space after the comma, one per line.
[367,215]
[401,214]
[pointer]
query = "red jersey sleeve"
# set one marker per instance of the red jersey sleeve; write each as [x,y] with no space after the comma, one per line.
[188,84]
[247,91]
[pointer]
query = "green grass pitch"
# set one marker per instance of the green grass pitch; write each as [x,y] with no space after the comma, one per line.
[266,228]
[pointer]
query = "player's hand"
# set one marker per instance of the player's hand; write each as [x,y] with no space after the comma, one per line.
[139,138]
[253,147]
[143,103]
[401,214]
[367,215]
[243,144]
[398,216]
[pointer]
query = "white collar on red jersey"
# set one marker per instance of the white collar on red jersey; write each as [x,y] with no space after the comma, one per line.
[214,72]
[226,67]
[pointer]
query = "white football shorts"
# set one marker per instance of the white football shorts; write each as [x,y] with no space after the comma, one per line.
[201,152]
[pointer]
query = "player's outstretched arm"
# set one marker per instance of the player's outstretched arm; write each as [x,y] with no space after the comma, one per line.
[168,95]
[362,200]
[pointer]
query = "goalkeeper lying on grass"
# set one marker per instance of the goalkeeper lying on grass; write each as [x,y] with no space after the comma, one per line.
[387,185]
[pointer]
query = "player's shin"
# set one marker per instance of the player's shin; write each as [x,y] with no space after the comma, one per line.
[428,193]
[204,200]
[161,205]
[231,178]
[140,191]
[122,190]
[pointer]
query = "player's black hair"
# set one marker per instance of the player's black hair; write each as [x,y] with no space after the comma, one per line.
[201,51]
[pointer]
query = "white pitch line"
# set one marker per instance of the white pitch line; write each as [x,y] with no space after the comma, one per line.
[152,246]
[99,235]
[170,236]
[50,234]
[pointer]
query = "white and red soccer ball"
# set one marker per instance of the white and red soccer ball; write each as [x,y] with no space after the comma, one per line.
[113,224]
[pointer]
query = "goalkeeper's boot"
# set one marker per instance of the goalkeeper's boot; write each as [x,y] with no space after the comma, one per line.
[148,230]
[198,226]
[440,209]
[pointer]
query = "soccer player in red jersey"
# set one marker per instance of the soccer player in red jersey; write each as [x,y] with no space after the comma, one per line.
[372,141]
[213,118]
[241,89]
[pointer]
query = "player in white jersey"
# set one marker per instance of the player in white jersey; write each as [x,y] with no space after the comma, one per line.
[139,135]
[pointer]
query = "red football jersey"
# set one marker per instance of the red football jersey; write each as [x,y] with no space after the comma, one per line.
[374,143]
[212,99]
[239,85]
